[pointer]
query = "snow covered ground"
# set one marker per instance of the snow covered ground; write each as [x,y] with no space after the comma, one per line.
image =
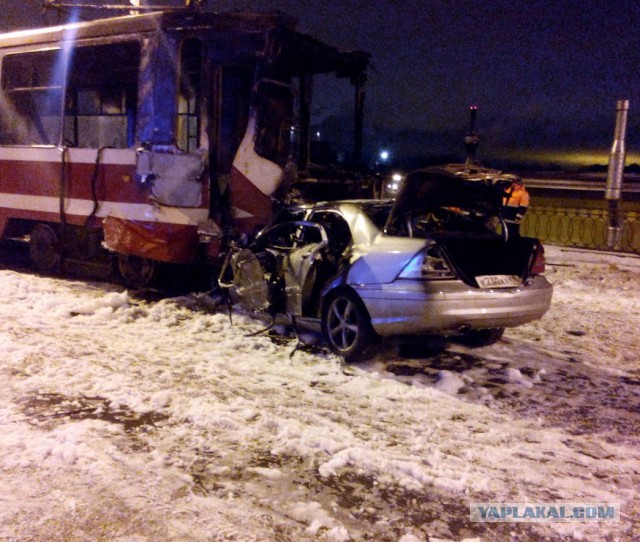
[130,420]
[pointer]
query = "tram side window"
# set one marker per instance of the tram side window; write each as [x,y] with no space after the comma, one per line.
[275,138]
[101,98]
[31,98]
[189,97]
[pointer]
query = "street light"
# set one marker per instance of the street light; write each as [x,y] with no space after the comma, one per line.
[392,186]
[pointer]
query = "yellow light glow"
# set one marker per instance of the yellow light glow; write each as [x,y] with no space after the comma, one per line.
[583,158]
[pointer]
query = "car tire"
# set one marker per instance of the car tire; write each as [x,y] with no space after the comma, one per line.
[482,337]
[346,325]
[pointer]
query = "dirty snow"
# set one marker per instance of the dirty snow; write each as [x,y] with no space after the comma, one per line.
[134,421]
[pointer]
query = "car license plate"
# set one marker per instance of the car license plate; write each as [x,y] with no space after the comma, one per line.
[499,281]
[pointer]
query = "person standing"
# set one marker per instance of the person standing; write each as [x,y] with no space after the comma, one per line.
[515,205]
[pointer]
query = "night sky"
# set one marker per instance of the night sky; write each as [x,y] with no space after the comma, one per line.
[544,74]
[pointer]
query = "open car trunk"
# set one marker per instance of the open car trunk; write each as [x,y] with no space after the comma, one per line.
[460,208]
[473,196]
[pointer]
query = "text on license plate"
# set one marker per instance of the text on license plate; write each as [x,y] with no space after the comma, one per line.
[499,281]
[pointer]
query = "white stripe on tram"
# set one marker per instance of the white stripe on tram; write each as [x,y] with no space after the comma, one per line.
[123,157]
[83,207]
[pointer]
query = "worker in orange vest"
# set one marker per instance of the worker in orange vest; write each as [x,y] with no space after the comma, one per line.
[515,205]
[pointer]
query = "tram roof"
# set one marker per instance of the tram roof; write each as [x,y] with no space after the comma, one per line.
[304,53]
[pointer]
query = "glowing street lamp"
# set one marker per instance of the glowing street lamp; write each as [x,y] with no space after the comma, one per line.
[393,186]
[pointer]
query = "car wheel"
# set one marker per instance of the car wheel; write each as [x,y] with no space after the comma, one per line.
[137,272]
[44,248]
[482,337]
[347,326]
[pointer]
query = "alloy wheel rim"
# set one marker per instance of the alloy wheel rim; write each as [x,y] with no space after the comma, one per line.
[343,323]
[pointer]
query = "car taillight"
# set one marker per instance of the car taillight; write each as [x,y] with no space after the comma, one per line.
[538,264]
[430,263]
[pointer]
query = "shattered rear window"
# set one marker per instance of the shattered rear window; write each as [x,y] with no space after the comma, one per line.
[378,212]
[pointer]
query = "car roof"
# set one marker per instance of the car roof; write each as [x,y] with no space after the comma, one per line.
[354,211]
[362,202]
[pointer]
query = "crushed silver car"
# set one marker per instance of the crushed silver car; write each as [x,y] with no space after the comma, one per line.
[437,260]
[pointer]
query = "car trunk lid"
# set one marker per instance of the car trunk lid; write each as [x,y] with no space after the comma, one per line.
[475,193]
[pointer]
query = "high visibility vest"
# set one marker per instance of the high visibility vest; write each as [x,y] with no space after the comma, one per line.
[516,203]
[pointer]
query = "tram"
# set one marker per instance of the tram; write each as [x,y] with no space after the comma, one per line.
[158,136]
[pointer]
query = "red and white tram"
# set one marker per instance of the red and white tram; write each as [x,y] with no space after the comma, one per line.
[156,136]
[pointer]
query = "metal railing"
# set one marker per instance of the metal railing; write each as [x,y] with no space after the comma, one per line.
[581,228]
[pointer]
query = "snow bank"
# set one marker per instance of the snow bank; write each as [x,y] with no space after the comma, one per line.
[139,421]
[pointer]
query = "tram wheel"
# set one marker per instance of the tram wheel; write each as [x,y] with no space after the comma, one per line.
[44,248]
[136,271]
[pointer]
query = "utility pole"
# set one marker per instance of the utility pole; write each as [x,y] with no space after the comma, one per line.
[615,172]
[471,140]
